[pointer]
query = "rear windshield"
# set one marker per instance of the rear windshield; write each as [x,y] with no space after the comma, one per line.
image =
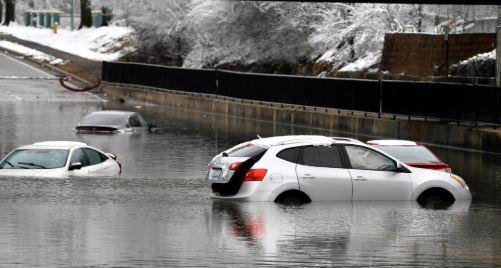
[35,159]
[247,151]
[103,120]
[410,154]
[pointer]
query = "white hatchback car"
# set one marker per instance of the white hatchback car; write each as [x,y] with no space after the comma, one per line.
[318,168]
[59,159]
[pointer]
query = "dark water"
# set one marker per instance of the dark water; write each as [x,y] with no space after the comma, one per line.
[158,212]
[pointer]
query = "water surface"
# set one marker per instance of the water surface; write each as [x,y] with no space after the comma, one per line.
[157,213]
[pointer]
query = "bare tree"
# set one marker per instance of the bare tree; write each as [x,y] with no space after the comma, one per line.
[107,15]
[499,15]
[10,11]
[1,11]
[85,14]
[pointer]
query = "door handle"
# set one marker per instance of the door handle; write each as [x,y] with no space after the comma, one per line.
[308,176]
[360,178]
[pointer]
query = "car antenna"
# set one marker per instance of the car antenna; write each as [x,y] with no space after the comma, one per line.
[259,136]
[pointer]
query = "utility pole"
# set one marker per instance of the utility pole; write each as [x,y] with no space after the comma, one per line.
[72,14]
[446,41]
[498,49]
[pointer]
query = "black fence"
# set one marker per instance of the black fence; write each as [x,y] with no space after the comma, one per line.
[447,101]
[331,93]
[192,80]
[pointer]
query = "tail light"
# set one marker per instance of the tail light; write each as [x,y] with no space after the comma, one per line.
[234,166]
[255,175]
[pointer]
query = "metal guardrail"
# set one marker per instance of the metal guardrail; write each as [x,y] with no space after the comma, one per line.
[450,102]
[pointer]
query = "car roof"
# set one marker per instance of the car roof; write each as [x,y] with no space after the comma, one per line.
[301,140]
[392,143]
[65,145]
[112,112]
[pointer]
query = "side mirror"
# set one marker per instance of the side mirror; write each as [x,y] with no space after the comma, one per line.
[75,166]
[402,169]
[114,157]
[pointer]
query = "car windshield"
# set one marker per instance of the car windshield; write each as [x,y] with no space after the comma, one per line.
[103,120]
[410,154]
[247,151]
[35,159]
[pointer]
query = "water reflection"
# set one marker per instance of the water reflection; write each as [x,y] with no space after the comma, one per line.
[346,231]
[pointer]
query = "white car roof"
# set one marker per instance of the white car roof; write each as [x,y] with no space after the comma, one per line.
[301,139]
[112,112]
[66,145]
[392,143]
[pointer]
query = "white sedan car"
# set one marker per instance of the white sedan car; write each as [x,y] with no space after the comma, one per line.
[59,159]
[318,168]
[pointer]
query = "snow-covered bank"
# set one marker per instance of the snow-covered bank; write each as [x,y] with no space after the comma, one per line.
[481,65]
[100,44]
[28,52]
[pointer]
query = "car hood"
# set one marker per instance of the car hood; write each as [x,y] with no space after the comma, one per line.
[427,164]
[422,174]
[59,172]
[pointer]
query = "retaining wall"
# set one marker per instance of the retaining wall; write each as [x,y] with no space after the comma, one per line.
[331,119]
[418,54]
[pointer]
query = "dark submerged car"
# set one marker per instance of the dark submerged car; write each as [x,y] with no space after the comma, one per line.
[112,122]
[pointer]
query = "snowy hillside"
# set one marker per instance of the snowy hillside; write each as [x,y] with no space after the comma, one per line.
[105,43]
[285,37]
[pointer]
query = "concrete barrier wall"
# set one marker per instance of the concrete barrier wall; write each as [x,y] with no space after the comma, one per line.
[329,119]
[417,54]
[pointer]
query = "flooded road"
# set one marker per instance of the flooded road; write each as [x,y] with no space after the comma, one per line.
[157,213]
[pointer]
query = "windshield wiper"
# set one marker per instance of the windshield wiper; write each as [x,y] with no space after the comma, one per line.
[32,164]
[14,166]
[10,164]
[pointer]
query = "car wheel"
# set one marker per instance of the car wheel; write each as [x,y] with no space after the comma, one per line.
[436,198]
[293,197]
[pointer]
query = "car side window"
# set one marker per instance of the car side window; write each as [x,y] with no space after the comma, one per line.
[141,120]
[134,121]
[289,154]
[321,156]
[79,157]
[94,156]
[365,158]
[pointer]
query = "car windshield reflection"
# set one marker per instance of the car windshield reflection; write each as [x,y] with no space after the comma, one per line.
[103,120]
[35,159]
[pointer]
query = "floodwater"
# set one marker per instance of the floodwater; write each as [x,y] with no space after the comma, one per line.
[158,213]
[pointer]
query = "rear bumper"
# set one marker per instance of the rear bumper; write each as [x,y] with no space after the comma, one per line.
[249,191]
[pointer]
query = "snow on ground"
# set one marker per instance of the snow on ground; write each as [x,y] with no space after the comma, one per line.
[29,52]
[482,65]
[481,57]
[363,64]
[100,44]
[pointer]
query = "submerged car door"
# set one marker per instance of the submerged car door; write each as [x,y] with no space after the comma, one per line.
[100,165]
[78,156]
[375,176]
[321,174]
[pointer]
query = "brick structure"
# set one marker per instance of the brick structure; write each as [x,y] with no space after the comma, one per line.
[426,54]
